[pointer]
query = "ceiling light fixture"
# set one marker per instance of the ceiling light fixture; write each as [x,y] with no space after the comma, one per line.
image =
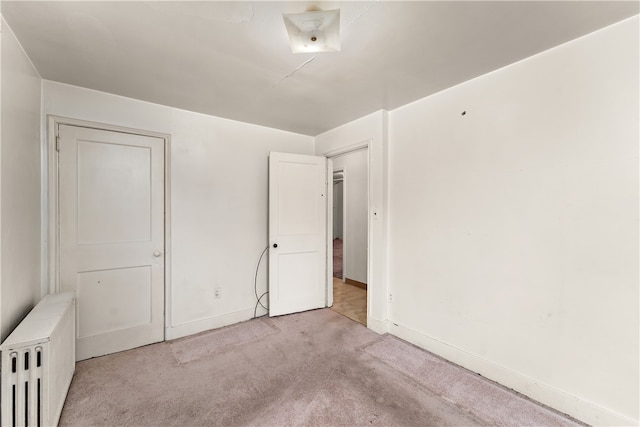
[317,31]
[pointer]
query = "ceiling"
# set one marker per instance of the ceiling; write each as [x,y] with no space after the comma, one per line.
[232,59]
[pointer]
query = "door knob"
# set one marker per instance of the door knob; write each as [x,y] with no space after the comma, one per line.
[275,245]
[157,253]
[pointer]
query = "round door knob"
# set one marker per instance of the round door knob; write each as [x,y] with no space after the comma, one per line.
[275,245]
[157,253]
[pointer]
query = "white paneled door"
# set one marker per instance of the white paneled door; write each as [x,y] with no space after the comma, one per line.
[297,233]
[111,233]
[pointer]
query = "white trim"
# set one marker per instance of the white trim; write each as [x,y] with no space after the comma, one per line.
[362,145]
[329,233]
[53,123]
[345,228]
[378,326]
[1,230]
[52,206]
[562,401]
[44,213]
[201,325]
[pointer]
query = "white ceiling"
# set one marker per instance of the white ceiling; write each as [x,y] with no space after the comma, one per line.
[232,59]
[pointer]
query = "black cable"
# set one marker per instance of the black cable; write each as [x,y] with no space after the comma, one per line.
[255,286]
[255,279]
[256,307]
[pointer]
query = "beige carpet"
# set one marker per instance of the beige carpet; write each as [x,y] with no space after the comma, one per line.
[314,368]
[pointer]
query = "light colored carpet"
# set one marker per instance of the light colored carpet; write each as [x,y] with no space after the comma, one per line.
[223,339]
[313,368]
[489,401]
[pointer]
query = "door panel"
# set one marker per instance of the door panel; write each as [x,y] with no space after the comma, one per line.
[295,269]
[114,194]
[111,201]
[100,313]
[298,201]
[297,233]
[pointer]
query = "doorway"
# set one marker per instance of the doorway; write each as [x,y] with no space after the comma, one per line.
[350,234]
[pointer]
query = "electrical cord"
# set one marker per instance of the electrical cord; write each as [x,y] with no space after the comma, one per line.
[255,286]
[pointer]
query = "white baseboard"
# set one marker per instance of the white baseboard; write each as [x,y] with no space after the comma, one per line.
[574,406]
[201,325]
[208,323]
[378,326]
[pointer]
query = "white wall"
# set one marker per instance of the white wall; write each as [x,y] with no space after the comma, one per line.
[371,128]
[20,183]
[218,199]
[514,228]
[356,205]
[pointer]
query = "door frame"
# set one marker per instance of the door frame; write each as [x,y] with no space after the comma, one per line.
[52,232]
[348,149]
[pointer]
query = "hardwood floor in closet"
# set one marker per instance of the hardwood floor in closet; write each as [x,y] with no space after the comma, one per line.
[350,301]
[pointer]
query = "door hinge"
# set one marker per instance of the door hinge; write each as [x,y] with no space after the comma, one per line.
[57,143]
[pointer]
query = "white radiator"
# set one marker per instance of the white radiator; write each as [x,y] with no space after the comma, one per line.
[38,361]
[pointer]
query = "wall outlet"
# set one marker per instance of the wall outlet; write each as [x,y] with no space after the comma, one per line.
[390,297]
[217,293]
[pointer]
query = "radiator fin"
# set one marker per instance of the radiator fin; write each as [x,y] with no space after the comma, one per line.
[38,361]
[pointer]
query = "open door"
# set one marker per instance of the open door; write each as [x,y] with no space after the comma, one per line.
[297,233]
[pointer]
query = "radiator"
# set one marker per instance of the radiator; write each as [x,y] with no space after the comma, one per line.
[38,361]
